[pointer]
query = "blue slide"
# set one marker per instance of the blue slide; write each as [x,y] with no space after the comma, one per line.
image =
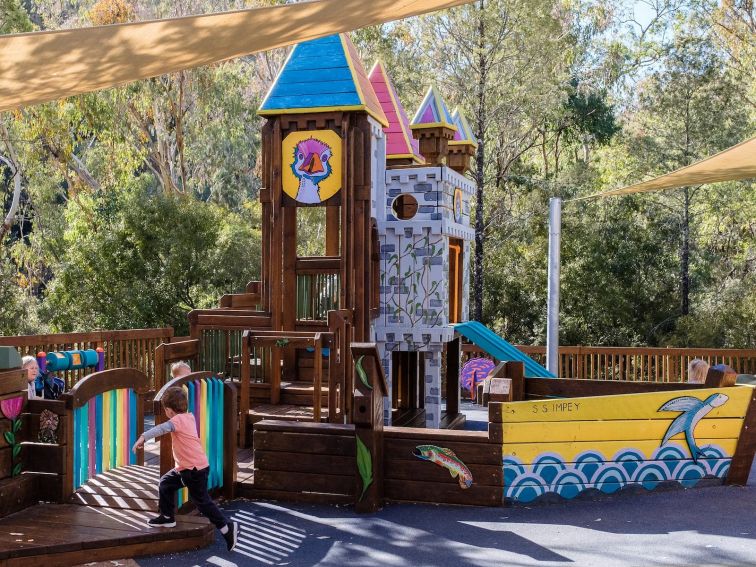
[493,344]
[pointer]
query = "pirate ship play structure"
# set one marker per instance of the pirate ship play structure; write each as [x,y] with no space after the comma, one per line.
[383,310]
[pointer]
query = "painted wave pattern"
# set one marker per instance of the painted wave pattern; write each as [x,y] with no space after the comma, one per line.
[549,473]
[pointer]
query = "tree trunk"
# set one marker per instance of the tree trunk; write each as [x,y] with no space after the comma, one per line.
[685,255]
[479,178]
[16,167]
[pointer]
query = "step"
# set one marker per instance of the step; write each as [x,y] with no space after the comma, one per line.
[284,412]
[300,393]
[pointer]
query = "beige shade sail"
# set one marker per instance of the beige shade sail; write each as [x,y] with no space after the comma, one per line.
[732,164]
[45,66]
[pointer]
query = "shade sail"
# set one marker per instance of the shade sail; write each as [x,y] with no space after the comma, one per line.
[737,162]
[44,66]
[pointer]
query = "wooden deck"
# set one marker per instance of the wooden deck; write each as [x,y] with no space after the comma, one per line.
[125,488]
[70,534]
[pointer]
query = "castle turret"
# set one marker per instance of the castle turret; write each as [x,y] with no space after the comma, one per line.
[324,148]
[434,127]
[462,148]
[425,238]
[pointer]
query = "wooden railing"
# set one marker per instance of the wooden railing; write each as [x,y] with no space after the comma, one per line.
[132,348]
[318,287]
[105,415]
[634,363]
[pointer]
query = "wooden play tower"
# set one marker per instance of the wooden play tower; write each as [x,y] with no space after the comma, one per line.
[339,152]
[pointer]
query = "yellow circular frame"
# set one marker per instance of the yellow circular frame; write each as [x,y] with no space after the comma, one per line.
[328,186]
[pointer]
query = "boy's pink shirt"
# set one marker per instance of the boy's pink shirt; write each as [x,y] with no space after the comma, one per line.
[187,449]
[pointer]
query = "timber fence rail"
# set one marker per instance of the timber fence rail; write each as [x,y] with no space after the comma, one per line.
[643,364]
[131,348]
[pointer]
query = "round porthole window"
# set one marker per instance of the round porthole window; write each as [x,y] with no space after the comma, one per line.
[404,206]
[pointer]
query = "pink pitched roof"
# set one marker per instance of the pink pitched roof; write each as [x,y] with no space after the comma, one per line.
[399,140]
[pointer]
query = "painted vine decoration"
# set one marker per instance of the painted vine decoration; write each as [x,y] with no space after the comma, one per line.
[11,409]
[417,283]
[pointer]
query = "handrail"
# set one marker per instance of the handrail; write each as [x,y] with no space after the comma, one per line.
[339,360]
[104,381]
[105,413]
[318,265]
[173,352]
[635,363]
[130,348]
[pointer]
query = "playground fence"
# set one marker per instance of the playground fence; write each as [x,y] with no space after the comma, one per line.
[644,364]
[132,348]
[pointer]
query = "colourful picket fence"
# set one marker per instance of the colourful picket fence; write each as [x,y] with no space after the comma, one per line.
[205,402]
[105,429]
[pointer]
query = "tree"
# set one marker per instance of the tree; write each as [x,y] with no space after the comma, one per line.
[505,62]
[13,17]
[147,259]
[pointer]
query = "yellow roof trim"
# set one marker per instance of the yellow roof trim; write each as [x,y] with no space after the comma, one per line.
[433,125]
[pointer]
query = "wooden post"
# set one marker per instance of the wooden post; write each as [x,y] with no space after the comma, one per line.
[332,231]
[368,426]
[229,439]
[68,477]
[166,446]
[516,371]
[244,379]
[742,458]
[452,376]
[317,378]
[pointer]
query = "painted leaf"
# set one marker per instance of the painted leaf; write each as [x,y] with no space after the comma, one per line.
[17,469]
[364,465]
[16,450]
[361,372]
[16,425]
[282,342]
[10,438]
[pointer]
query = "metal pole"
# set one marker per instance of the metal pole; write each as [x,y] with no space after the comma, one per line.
[552,320]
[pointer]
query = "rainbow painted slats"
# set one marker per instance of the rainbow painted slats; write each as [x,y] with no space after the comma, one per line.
[105,428]
[205,400]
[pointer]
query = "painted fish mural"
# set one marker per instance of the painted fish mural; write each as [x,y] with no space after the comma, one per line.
[447,459]
[693,410]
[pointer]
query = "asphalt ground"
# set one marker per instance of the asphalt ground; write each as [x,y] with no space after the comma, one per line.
[713,525]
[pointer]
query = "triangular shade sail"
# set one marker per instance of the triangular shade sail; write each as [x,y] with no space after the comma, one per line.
[399,141]
[44,66]
[737,162]
[320,75]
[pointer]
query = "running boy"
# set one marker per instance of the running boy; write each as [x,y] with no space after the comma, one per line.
[191,469]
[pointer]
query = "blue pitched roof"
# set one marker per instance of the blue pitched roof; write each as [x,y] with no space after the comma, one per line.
[500,349]
[322,74]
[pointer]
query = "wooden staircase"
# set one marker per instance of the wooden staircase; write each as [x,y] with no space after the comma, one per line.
[297,394]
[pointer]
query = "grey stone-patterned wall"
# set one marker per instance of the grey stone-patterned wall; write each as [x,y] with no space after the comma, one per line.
[414,310]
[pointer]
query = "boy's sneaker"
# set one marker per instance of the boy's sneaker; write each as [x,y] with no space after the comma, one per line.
[162,522]
[231,535]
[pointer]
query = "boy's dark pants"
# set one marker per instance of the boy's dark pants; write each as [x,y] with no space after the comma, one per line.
[196,482]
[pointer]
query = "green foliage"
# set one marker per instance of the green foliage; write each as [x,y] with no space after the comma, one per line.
[13,17]
[145,260]
[140,202]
